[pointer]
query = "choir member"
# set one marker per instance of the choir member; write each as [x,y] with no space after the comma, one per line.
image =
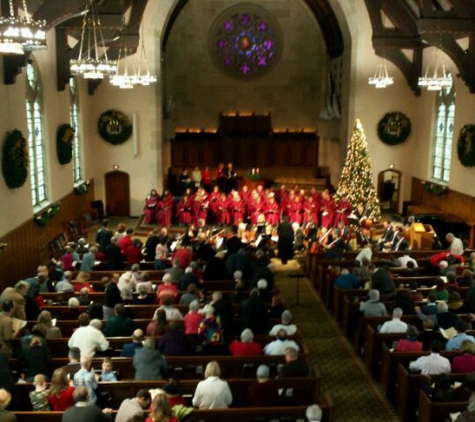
[310,210]
[255,207]
[184,210]
[165,208]
[327,207]
[342,211]
[200,206]
[295,210]
[272,212]
[150,208]
[206,179]
[221,177]
[236,208]
[222,214]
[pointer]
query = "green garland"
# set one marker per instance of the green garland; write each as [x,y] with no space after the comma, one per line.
[15,159]
[64,143]
[434,188]
[43,218]
[466,146]
[82,189]
[394,128]
[114,127]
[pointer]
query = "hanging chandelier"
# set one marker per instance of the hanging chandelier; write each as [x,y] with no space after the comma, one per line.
[18,34]
[381,78]
[143,76]
[122,78]
[92,66]
[436,77]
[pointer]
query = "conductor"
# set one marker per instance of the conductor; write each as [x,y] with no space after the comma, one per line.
[286,240]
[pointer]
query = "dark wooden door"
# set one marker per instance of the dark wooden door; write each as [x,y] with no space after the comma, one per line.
[117,194]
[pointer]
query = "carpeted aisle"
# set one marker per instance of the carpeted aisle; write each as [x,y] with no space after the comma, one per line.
[355,393]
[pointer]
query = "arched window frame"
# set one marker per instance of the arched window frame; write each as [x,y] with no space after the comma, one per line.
[443,135]
[36,140]
[74,121]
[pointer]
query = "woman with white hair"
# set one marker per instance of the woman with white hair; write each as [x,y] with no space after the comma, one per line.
[314,413]
[5,398]
[193,318]
[213,392]
[247,346]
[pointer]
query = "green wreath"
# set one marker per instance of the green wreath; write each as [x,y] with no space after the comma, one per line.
[114,127]
[394,128]
[15,159]
[466,146]
[64,143]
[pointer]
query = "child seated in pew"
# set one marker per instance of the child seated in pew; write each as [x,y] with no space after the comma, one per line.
[108,374]
[39,397]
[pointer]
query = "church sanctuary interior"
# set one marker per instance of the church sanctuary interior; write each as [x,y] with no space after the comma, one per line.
[342,231]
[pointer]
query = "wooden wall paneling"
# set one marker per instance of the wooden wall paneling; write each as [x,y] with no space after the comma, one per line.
[295,144]
[245,154]
[178,151]
[27,243]
[210,151]
[228,149]
[280,150]
[193,151]
[310,151]
[452,202]
[262,151]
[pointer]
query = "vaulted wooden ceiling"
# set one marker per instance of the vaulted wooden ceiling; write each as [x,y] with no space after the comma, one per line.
[403,28]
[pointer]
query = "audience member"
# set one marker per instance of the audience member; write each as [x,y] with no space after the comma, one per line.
[16,295]
[294,366]
[45,319]
[74,356]
[119,325]
[65,285]
[89,339]
[157,326]
[131,408]
[5,415]
[395,325]
[113,255]
[60,392]
[433,364]
[39,396]
[6,328]
[85,409]
[373,307]
[170,312]
[193,318]
[213,392]
[210,332]
[465,363]
[35,359]
[254,313]
[128,349]
[190,295]
[149,364]
[278,346]
[108,374]
[112,296]
[263,393]
[314,413]
[161,410]
[411,343]
[85,377]
[455,342]
[172,342]
[247,346]
[286,324]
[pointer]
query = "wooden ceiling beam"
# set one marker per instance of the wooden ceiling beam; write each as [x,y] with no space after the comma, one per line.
[452,25]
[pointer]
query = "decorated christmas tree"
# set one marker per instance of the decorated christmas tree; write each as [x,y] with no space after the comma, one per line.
[356,182]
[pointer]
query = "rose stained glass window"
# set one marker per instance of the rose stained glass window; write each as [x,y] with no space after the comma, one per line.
[245,41]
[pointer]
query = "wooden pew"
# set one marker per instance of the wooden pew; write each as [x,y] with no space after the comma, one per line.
[390,362]
[231,366]
[373,346]
[243,414]
[59,346]
[409,386]
[295,391]
[429,411]
[68,326]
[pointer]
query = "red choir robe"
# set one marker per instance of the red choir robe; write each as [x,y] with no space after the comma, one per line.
[164,212]
[184,210]
[272,212]
[295,211]
[200,208]
[342,211]
[222,212]
[255,207]
[327,208]
[310,211]
[150,209]
[236,208]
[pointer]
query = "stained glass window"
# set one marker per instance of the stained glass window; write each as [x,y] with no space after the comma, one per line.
[74,119]
[36,147]
[444,133]
[245,41]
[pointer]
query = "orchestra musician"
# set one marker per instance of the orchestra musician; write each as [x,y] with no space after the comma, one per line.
[150,207]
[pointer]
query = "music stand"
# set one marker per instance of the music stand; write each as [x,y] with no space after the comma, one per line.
[297,295]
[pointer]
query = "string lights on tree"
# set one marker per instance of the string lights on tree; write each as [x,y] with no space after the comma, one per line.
[356,182]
